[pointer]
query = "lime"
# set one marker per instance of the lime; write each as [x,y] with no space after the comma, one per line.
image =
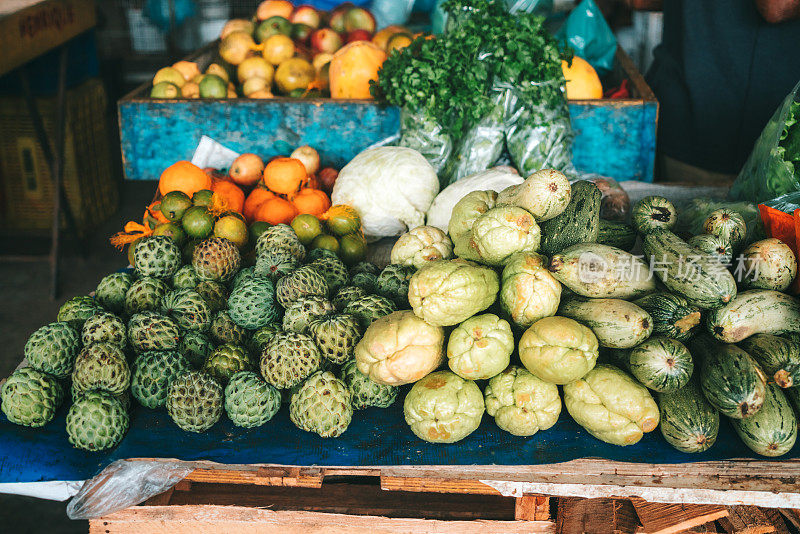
[258,228]
[165,90]
[273,26]
[343,220]
[174,205]
[171,229]
[307,227]
[198,222]
[171,75]
[353,249]
[326,241]
[212,86]
[202,197]
[232,228]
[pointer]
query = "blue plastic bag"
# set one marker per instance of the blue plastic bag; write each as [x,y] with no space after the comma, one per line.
[587,32]
[158,11]
[388,12]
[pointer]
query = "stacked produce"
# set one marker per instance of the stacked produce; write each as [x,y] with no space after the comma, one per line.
[290,51]
[203,333]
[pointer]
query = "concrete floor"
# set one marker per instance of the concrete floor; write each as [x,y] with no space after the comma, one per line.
[25,305]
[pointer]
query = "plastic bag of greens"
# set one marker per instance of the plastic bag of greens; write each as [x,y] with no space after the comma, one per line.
[692,216]
[482,145]
[786,203]
[773,167]
[540,135]
[540,7]
[425,135]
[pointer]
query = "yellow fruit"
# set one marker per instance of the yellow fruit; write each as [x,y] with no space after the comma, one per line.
[171,75]
[236,25]
[294,73]
[381,37]
[235,46]
[165,90]
[278,48]
[321,59]
[188,69]
[261,94]
[255,67]
[398,41]
[252,85]
[583,83]
[218,70]
[190,90]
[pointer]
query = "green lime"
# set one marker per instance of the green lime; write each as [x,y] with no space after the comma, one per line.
[202,197]
[258,228]
[273,26]
[174,205]
[212,86]
[326,241]
[171,229]
[343,220]
[165,90]
[296,93]
[232,228]
[353,249]
[198,222]
[307,227]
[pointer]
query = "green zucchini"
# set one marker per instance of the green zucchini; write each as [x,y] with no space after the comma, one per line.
[777,356]
[618,324]
[672,314]
[616,234]
[653,213]
[729,225]
[714,246]
[756,311]
[731,380]
[662,364]
[688,422]
[601,271]
[772,431]
[702,280]
[578,223]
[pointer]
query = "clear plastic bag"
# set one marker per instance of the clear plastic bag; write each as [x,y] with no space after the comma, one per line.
[771,170]
[388,12]
[615,204]
[426,136]
[539,7]
[540,135]
[692,216]
[125,483]
[786,203]
[482,145]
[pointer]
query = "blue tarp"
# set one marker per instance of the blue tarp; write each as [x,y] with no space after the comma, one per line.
[375,437]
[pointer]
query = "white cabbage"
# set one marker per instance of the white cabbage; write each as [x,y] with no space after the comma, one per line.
[495,179]
[391,187]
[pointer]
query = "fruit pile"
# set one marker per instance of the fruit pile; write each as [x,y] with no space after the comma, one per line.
[295,52]
[208,335]
[239,205]
[625,346]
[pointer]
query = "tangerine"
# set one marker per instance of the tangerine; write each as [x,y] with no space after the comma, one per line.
[284,175]
[183,176]
[276,211]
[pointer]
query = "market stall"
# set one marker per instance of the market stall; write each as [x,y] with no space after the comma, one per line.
[433,317]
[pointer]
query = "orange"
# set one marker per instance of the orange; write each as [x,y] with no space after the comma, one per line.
[312,201]
[183,176]
[274,8]
[276,211]
[583,83]
[227,196]
[256,197]
[284,175]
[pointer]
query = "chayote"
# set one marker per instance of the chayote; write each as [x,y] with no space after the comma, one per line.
[611,405]
[447,292]
[467,210]
[399,348]
[501,232]
[520,403]
[528,292]
[420,246]
[480,347]
[443,407]
[558,350]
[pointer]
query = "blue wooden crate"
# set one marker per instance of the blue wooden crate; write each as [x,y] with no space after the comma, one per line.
[614,138]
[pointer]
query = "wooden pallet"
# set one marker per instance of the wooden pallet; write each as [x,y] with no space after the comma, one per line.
[463,499]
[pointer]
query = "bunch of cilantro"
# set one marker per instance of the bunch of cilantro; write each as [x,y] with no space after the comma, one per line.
[450,79]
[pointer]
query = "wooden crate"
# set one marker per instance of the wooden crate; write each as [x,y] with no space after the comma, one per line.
[613,137]
[263,498]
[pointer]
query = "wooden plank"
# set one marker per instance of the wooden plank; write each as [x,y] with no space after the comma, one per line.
[792,516]
[532,508]
[660,518]
[262,476]
[436,485]
[746,520]
[596,516]
[219,519]
[774,516]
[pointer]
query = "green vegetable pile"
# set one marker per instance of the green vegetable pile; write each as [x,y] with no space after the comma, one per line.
[488,69]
